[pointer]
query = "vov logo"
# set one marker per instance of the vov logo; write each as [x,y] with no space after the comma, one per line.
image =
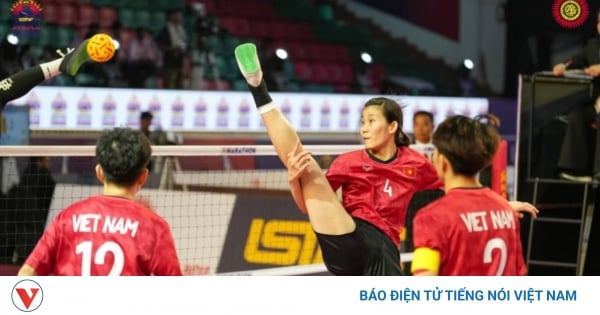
[27,295]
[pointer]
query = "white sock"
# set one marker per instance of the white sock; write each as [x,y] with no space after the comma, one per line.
[51,69]
[266,108]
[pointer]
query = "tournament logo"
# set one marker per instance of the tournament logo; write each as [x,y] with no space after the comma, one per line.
[26,17]
[27,295]
[570,13]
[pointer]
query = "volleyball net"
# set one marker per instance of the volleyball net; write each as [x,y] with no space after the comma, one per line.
[229,207]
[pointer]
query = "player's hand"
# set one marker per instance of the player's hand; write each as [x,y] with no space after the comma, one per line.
[594,70]
[559,69]
[298,161]
[523,207]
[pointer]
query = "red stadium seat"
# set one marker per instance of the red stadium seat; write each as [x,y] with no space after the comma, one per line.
[51,12]
[319,73]
[107,17]
[312,51]
[377,74]
[277,29]
[347,73]
[67,15]
[302,70]
[86,15]
[259,28]
[236,26]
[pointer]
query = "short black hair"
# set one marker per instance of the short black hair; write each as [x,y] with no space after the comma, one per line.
[146,115]
[123,154]
[423,113]
[469,144]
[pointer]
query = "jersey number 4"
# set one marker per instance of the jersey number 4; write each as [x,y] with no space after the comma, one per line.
[86,249]
[387,188]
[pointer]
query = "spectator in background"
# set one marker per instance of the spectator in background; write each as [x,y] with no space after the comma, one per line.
[172,42]
[8,59]
[32,199]
[26,59]
[273,65]
[422,127]
[140,58]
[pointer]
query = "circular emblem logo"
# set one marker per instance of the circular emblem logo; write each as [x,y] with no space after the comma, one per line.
[570,13]
[27,295]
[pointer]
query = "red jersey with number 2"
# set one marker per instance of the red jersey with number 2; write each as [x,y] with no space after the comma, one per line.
[106,236]
[476,232]
[379,191]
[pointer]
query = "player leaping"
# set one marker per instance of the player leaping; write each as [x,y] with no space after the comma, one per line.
[98,48]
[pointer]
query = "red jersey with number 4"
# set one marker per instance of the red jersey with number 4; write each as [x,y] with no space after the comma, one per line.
[379,191]
[105,235]
[476,232]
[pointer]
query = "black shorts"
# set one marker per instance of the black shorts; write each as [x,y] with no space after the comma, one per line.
[366,251]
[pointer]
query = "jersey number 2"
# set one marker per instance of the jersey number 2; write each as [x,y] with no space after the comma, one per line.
[87,251]
[495,244]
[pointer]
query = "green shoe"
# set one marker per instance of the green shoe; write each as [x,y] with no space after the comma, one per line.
[74,59]
[247,58]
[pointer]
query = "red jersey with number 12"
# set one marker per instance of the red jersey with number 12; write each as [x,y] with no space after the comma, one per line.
[105,235]
[379,191]
[476,232]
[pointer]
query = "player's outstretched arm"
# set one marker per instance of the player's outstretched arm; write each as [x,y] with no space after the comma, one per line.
[521,207]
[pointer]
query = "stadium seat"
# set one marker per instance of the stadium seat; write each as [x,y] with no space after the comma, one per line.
[259,28]
[50,13]
[86,15]
[64,36]
[48,36]
[302,70]
[312,51]
[277,30]
[127,17]
[107,17]
[157,21]
[319,73]
[143,19]
[67,15]
[240,85]
[260,9]
[236,26]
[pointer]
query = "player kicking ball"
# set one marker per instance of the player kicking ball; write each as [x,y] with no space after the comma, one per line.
[350,245]
[98,48]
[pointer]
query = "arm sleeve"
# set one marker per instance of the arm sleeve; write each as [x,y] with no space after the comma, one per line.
[580,59]
[336,174]
[428,231]
[428,178]
[43,256]
[164,258]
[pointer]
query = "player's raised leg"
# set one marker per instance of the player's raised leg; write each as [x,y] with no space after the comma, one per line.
[98,48]
[309,186]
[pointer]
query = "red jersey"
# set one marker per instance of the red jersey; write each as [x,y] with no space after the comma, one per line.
[476,232]
[104,235]
[379,192]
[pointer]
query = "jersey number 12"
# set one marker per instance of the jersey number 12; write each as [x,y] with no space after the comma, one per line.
[87,251]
